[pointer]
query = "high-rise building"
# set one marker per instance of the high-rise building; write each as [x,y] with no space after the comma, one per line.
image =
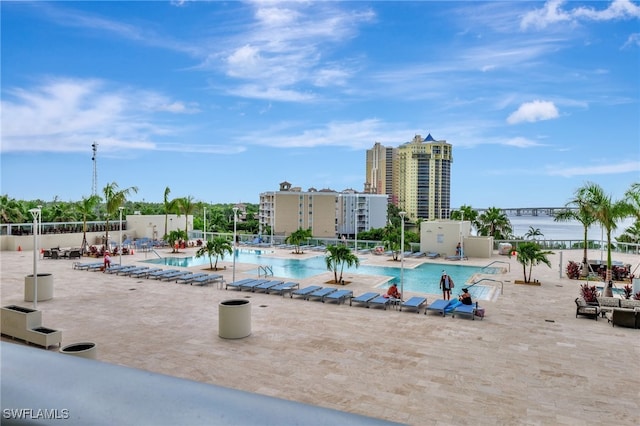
[419,179]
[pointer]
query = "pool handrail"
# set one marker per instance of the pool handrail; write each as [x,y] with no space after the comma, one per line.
[498,261]
[489,279]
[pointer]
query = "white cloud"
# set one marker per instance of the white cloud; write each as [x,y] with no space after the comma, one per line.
[64,115]
[632,40]
[534,111]
[520,142]
[553,13]
[603,169]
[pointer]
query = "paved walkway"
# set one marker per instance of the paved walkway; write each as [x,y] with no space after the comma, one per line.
[530,361]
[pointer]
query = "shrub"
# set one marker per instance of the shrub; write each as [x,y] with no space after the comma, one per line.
[628,291]
[589,294]
[573,270]
[636,296]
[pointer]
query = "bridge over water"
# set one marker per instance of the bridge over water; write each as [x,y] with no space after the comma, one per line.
[530,211]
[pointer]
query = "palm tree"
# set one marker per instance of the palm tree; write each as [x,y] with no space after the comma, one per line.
[216,247]
[169,207]
[173,237]
[532,233]
[86,208]
[530,255]
[114,199]
[581,212]
[186,206]
[338,256]
[298,237]
[466,213]
[607,213]
[11,210]
[494,223]
[633,198]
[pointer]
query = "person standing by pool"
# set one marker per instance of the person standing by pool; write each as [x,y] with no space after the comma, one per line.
[107,260]
[446,284]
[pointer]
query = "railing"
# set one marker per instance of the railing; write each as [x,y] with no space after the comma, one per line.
[498,261]
[267,270]
[616,246]
[489,279]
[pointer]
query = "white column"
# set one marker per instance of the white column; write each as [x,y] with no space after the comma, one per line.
[36,219]
[120,251]
[402,214]
[235,221]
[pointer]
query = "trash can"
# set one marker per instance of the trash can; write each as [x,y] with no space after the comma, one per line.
[83,350]
[45,287]
[234,319]
[504,248]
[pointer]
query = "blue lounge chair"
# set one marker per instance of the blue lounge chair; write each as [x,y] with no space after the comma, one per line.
[186,279]
[321,293]
[159,274]
[251,285]
[144,273]
[237,284]
[457,257]
[380,301]
[284,288]
[265,286]
[87,266]
[132,271]
[463,309]
[339,296]
[415,302]
[304,292]
[439,305]
[174,275]
[118,269]
[364,299]
[207,279]
[432,255]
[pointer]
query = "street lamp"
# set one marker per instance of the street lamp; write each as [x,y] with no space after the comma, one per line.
[204,231]
[355,218]
[36,219]
[235,222]
[402,214]
[120,251]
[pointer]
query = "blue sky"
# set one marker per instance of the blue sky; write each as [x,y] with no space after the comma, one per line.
[224,100]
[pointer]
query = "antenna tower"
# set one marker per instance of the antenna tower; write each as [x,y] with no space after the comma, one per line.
[94,158]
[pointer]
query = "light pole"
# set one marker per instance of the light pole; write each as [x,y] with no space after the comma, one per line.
[120,251]
[461,240]
[36,219]
[235,221]
[204,231]
[402,214]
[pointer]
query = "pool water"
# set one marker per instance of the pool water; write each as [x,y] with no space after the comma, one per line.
[422,279]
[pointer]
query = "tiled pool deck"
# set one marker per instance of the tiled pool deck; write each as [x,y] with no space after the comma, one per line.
[530,361]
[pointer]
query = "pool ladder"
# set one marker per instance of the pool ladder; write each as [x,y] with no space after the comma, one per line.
[266,270]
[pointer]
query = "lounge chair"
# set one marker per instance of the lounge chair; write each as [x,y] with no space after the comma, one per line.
[304,292]
[457,257]
[287,287]
[339,296]
[144,272]
[251,285]
[419,254]
[265,286]
[118,268]
[159,274]
[321,293]
[133,270]
[237,284]
[186,279]
[364,298]
[207,279]
[75,254]
[431,255]
[174,275]
[415,302]
[86,266]
[582,308]
[439,305]
[380,301]
[463,309]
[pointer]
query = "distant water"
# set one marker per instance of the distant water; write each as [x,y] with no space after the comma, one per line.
[562,230]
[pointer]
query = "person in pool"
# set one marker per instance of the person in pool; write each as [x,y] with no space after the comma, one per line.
[465,297]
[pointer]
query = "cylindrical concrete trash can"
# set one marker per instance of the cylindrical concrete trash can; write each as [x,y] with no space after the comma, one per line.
[45,287]
[234,319]
[504,248]
[83,350]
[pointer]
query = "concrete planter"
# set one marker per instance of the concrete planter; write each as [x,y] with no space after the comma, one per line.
[234,319]
[17,320]
[83,350]
[44,336]
[45,287]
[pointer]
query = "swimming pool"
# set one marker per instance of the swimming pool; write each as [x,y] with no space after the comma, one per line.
[422,279]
